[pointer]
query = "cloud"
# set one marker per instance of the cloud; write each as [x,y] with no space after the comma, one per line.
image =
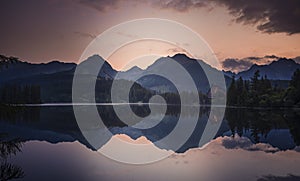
[100,5]
[179,5]
[272,56]
[275,16]
[280,178]
[177,50]
[238,65]
[245,143]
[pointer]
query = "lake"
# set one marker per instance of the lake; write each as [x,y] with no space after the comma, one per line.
[45,143]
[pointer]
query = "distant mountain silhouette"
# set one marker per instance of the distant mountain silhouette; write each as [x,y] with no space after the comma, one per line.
[282,69]
[192,66]
[134,71]
[106,71]
[228,73]
[11,68]
[55,78]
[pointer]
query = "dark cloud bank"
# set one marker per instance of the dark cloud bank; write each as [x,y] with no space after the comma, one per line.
[237,65]
[269,16]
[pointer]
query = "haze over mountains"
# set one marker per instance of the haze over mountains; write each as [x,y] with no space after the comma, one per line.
[56,77]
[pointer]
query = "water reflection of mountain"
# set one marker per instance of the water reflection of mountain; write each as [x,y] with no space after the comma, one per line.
[280,128]
[51,124]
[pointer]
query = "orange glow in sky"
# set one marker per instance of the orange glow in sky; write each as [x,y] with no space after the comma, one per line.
[59,30]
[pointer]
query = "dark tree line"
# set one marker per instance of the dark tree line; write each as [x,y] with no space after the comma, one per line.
[259,92]
[20,94]
[292,94]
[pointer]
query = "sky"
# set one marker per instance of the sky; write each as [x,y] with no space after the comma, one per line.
[239,32]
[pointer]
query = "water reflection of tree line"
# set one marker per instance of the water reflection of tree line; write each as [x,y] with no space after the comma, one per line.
[293,123]
[257,123]
[19,113]
[20,94]
[261,122]
[9,171]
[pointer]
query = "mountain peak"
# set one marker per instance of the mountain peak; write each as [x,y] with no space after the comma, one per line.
[106,70]
[282,69]
[284,60]
[55,62]
[180,55]
[95,57]
[135,68]
[183,58]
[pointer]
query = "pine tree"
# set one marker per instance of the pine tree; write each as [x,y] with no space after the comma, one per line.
[232,93]
[241,92]
[254,89]
[292,97]
[295,82]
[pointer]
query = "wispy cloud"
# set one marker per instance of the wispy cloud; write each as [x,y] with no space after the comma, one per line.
[179,5]
[100,5]
[177,50]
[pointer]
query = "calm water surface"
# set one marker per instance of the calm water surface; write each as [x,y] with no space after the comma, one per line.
[53,129]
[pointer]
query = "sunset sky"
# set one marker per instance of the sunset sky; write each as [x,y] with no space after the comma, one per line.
[243,32]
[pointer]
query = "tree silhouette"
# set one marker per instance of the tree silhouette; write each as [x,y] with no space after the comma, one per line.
[231,94]
[258,92]
[9,171]
[292,96]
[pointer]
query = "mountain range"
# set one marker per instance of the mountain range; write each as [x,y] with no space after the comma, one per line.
[12,68]
[282,69]
[55,78]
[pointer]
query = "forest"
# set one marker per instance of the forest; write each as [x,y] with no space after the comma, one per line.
[258,92]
